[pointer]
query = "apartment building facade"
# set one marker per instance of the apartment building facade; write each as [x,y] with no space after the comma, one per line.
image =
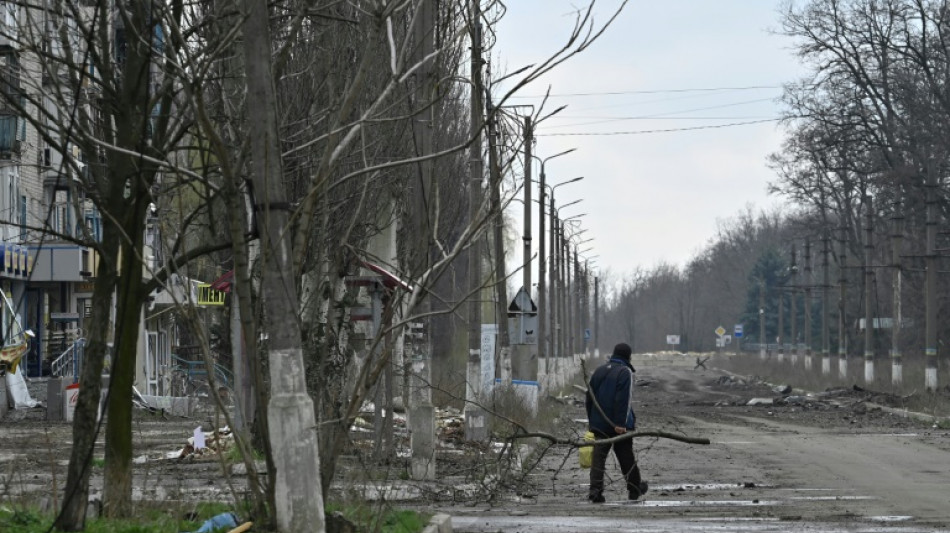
[48,227]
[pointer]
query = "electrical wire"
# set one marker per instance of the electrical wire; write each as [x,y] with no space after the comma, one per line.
[653,91]
[644,132]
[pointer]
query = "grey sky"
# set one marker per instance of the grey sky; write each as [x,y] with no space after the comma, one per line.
[656,197]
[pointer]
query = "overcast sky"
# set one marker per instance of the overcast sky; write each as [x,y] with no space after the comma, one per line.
[655,197]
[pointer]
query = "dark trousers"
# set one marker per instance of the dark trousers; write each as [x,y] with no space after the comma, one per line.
[623,450]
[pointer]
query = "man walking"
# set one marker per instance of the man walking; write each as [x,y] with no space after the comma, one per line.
[609,414]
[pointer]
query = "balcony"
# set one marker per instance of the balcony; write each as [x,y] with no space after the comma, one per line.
[63,263]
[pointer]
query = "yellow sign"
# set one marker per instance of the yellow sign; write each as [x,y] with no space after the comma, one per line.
[209,296]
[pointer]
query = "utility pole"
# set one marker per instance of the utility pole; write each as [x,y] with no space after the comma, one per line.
[528,140]
[524,352]
[868,282]
[780,338]
[555,315]
[807,304]
[579,322]
[421,412]
[501,291]
[793,311]
[930,346]
[563,293]
[544,354]
[763,342]
[825,305]
[842,293]
[475,427]
[291,420]
[596,316]
[897,367]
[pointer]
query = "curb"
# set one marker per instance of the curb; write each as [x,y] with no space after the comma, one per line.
[440,523]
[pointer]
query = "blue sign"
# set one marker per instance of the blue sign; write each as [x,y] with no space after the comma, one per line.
[587,334]
[738,331]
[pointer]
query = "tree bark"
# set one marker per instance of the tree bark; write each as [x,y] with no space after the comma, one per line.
[298,500]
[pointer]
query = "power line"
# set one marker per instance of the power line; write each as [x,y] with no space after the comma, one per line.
[655,91]
[643,132]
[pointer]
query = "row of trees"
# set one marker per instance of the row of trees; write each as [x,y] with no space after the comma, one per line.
[863,168]
[292,142]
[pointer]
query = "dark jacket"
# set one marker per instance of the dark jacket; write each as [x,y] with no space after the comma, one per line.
[612,385]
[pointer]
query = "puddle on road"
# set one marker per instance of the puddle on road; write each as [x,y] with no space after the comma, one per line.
[680,487]
[697,503]
[831,498]
[893,518]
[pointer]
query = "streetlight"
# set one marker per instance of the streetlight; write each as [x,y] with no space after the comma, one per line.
[553,213]
[541,254]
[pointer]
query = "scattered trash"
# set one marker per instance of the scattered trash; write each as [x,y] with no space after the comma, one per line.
[199,439]
[16,388]
[217,441]
[761,401]
[782,389]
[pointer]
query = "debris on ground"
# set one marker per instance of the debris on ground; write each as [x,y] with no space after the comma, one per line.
[215,442]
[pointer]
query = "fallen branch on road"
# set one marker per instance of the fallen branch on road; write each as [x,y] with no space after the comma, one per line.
[630,435]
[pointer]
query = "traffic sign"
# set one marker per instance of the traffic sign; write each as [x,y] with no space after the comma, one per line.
[720,331]
[738,330]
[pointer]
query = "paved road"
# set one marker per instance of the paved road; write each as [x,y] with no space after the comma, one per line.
[835,469]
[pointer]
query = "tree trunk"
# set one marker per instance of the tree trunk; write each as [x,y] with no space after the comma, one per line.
[298,501]
[73,514]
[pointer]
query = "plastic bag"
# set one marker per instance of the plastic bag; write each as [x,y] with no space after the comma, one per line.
[586,453]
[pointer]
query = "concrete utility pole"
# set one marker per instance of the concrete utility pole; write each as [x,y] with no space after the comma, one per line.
[291,419]
[780,338]
[503,346]
[596,316]
[475,427]
[579,322]
[555,271]
[763,342]
[897,366]
[526,254]
[545,351]
[565,325]
[868,292]
[842,293]
[524,351]
[825,305]
[807,304]
[421,412]
[793,311]
[930,284]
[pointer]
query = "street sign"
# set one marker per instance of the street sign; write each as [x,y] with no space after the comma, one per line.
[727,340]
[720,331]
[587,334]
[738,331]
[673,339]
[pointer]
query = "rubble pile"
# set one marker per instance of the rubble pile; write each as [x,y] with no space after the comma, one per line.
[207,444]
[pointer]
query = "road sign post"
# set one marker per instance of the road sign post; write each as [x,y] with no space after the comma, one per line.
[737,332]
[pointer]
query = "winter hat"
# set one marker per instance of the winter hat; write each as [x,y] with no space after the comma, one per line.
[622,351]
